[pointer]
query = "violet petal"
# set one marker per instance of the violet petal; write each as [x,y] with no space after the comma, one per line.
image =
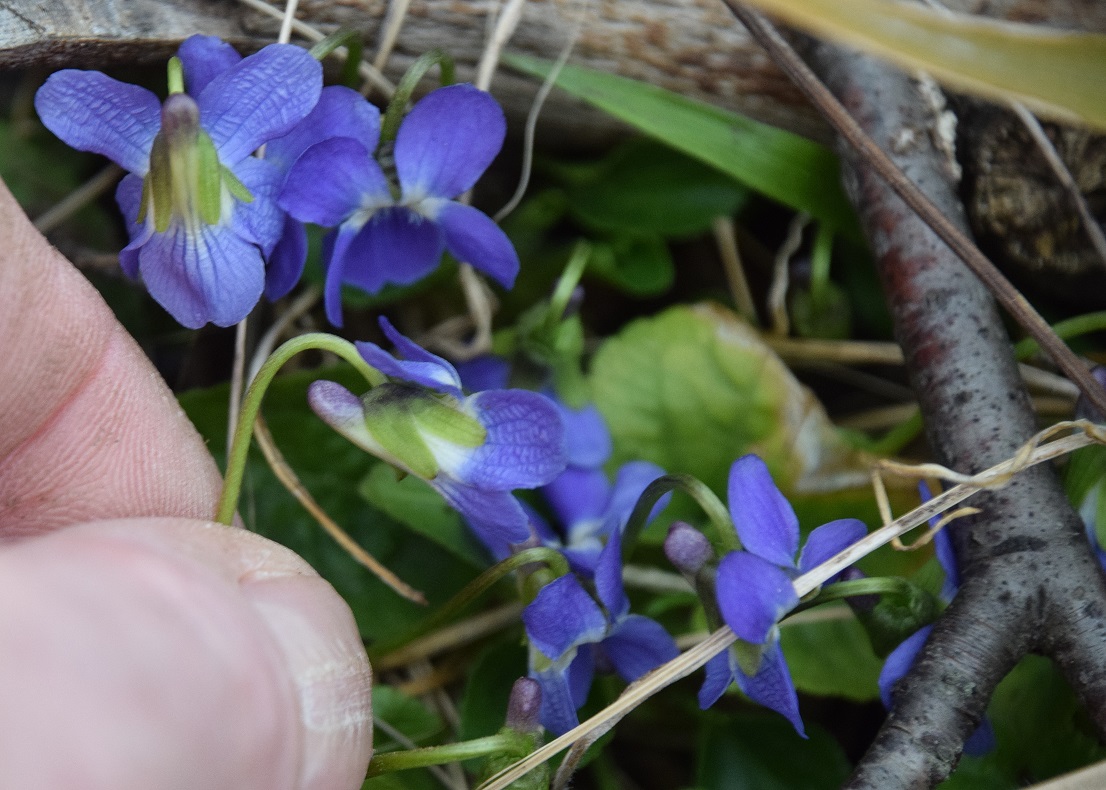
[260,98]
[331,181]
[210,275]
[447,141]
[92,112]
[287,260]
[829,540]
[753,594]
[496,514]
[203,58]
[472,237]
[764,519]
[637,645]
[525,442]
[563,616]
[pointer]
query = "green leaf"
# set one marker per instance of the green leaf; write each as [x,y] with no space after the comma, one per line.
[694,388]
[416,505]
[643,187]
[1057,72]
[761,751]
[1040,728]
[638,265]
[483,706]
[831,658]
[405,714]
[788,168]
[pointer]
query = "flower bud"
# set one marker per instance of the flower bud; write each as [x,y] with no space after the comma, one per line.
[524,707]
[687,548]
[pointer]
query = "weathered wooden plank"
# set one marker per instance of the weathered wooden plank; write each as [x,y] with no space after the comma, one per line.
[690,46]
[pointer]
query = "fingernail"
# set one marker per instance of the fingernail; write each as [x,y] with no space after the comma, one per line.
[326,661]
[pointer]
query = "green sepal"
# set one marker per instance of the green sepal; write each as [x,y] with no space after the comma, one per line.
[444,421]
[236,187]
[520,745]
[160,180]
[390,419]
[749,656]
[209,188]
[176,75]
[144,201]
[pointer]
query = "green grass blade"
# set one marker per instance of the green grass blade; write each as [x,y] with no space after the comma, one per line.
[791,169]
[1058,73]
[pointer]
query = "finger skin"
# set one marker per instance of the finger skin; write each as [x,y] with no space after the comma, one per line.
[150,652]
[176,654]
[88,430]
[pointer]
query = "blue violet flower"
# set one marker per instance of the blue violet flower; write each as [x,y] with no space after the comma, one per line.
[443,146]
[474,450]
[755,588]
[200,208]
[571,636]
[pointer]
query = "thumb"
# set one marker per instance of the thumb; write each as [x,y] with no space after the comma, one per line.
[173,653]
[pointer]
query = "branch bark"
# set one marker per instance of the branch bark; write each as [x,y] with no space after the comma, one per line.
[1031,582]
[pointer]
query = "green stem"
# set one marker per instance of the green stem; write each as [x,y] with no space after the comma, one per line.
[1065,330]
[389,124]
[898,437]
[697,490]
[876,585]
[351,40]
[437,755]
[820,258]
[251,406]
[552,558]
[567,283]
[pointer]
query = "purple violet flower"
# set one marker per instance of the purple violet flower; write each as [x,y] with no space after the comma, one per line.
[571,636]
[200,209]
[340,112]
[755,586]
[472,450]
[443,146]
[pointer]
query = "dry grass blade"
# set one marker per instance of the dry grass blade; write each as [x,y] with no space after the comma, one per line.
[291,482]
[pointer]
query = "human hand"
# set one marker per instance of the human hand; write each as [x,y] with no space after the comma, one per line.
[143,645]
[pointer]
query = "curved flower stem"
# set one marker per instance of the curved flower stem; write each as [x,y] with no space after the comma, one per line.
[437,755]
[566,284]
[876,585]
[697,490]
[552,558]
[351,40]
[389,124]
[251,407]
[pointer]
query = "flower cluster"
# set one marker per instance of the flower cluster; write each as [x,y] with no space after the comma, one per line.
[443,146]
[212,226]
[600,633]
[755,586]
